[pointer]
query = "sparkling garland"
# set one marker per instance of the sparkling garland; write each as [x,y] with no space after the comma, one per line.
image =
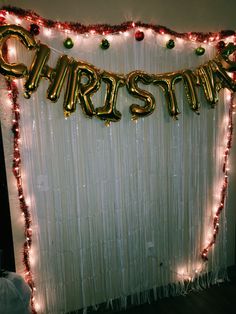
[106,29]
[16,169]
[224,188]
[225,170]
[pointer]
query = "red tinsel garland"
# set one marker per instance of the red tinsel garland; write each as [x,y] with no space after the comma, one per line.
[224,188]
[16,169]
[105,29]
[225,170]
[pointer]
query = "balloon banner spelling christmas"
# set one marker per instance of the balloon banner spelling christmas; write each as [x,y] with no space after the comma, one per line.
[212,76]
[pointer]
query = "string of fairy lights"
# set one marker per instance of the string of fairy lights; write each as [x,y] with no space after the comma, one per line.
[140,30]
[16,169]
[35,24]
[224,187]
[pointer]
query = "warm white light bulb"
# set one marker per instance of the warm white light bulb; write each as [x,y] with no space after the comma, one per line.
[17,20]
[166,37]
[47,32]
[110,38]
[12,51]
[37,306]
[180,41]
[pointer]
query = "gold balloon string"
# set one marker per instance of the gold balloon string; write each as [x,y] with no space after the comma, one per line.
[99,70]
[212,76]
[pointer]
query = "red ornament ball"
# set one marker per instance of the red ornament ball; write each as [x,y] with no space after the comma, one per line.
[34,29]
[139,35]
[220,45]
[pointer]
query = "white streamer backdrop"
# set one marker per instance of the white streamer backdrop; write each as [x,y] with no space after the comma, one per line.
[123,210]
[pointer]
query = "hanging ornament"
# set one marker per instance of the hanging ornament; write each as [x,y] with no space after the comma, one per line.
[105,44]
[34,29]
[139,35]
[68,43]
[200,51]
[170,44]
[220,45]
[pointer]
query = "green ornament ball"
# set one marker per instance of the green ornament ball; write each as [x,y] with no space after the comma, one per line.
[68,43]
[170,44]
[200,51]
[105,44]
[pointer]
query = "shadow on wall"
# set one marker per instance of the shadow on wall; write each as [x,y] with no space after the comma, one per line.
[6,243]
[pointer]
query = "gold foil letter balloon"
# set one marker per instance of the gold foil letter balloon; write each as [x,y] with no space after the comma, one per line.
[190,82]
[57,78]
[221,76]
[89,88]
[108,112]
[213,75]
[71,95]
[167,83]
[36,69]
[208,81]
[223,58]
[76,89]
[14,69]
[132,85]
[222,63]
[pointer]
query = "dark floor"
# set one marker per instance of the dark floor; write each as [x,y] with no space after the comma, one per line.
[218,299]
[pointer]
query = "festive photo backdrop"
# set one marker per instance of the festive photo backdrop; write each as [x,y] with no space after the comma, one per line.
[115,212]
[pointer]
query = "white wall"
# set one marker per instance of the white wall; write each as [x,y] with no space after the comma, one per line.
[181,15]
